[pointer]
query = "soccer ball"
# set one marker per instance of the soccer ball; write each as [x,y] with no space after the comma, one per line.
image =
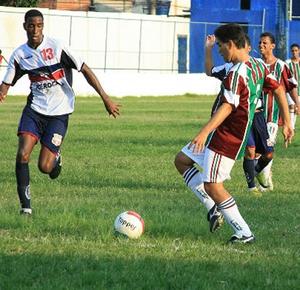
[130,224]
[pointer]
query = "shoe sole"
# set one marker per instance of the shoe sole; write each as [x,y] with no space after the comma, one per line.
[213,227]
[249,240]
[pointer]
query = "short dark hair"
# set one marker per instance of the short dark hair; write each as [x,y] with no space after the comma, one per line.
[270,35]
[294,45]
[231,31]
[33,13]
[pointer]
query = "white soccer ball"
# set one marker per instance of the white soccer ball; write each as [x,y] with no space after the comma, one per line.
[130,224]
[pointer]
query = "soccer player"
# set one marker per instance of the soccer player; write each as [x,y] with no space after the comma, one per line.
[48,65]
[222,139]
[284,76]
[258,136]
[294,66]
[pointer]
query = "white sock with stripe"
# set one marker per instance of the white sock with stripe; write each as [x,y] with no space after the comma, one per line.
[193,179]
[293,118]
[233,217]
[267,170]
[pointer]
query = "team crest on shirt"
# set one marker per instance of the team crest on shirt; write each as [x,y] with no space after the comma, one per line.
[56,139]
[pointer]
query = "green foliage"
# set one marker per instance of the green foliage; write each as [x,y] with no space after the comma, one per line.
[19,3]
[110,166]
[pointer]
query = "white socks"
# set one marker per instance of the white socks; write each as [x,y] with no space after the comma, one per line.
[193,179]
[233,217]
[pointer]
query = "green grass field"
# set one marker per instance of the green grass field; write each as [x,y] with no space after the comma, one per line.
[127,164]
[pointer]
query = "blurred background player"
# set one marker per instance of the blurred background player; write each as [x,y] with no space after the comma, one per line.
[49,66]
[294,66]
[284,76]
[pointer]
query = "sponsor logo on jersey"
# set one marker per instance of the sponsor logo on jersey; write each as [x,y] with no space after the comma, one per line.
[27,56]
[46,85]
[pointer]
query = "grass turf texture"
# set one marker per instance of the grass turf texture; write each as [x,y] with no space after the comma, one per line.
[110,166]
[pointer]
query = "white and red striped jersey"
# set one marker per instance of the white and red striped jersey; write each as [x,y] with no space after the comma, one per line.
[49,68]
[241,88]
[284,76]
[294,66]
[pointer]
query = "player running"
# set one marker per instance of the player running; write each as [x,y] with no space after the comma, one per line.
[48,65]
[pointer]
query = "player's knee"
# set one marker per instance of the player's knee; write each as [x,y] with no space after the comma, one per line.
[180,163]
[23,156]
[250,153]
[45,167]
[269,156]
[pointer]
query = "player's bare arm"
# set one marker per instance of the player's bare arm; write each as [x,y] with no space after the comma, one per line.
[3,91]
[209,43]
[112,108]
[287,129]
[215,121]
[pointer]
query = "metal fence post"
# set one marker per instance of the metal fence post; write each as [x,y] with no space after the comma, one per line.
[140,46]
[106,40]
[70,31]
[173,51]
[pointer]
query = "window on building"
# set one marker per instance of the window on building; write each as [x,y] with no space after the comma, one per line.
[245,4]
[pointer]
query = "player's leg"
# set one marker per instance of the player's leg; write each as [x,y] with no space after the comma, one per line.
[25,147]
[266,172]
[217,169]
[293,115]
[266,160]
[265,140]
[50,160]
[185,162]
[263,168]
[230,211]
[47,160]
[29,130]
[249,163]
[249,170]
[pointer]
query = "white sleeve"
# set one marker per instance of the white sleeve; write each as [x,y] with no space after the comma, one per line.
[11,71]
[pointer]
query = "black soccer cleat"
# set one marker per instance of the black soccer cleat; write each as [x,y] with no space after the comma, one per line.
[57,168]
[215,219]
[242,240]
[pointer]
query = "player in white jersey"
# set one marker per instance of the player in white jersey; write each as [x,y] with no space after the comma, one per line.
[294,65]
[48,65]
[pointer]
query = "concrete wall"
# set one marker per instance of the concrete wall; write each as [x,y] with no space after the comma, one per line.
[108,41]
[115,60]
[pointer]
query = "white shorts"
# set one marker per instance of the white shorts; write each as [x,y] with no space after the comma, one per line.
[216,167]
[290,100]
